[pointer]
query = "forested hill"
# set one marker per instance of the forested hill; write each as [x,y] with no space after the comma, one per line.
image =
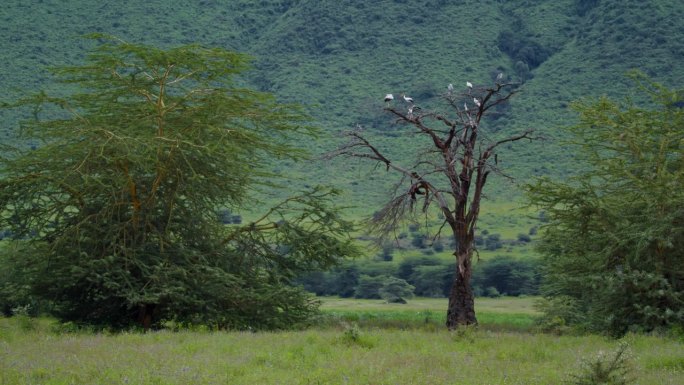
[339,57]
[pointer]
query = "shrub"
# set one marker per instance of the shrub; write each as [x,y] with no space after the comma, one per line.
[559,312]
[491,292]
[433,280]
[606,369]
[352,336]
[524,238]
[396,290]
[508,275]
[386,253]
[438,246]
[369,287]
[418,241]
[408,266]
[493,242]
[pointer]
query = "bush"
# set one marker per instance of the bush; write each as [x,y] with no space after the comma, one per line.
[635,300]
[369,287]
[408,266]
[493,242]
[491,292]
[386,253]
[524,238]
[559,312]
[352,336]
[341,280]
[508,276]
[346,279]
[432,281]
[396,290]
[418,241]
[438,246]
[606,369]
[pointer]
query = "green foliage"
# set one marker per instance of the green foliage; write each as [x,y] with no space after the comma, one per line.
[117,206]
[429,276]
[15,283]
[614,238]
[369,286]
[386,252]
[493,242]
[432,280]
[507,276]
[396,290]
[558,313]
[521,50]
[338,59]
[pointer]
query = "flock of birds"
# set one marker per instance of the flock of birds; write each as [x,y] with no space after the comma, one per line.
[450,88]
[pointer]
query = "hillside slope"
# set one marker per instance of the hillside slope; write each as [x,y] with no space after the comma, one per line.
[340,57]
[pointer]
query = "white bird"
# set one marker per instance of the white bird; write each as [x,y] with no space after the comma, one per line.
[465,107]
[388,99]
[450,87]
[407,99]
[499,76]
[469,84]
[410,112]
[477,102]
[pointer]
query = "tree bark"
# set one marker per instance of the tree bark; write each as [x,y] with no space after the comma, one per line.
[145,313]
[461,309]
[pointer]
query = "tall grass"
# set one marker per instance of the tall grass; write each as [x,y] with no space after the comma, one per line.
[345,353]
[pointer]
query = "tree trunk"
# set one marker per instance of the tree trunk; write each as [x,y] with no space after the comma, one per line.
[461,300]
[145,313]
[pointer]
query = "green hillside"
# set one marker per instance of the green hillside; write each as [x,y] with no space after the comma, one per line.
[339,58]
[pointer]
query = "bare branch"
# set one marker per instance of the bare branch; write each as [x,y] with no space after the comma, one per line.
[386,220]
[524,135]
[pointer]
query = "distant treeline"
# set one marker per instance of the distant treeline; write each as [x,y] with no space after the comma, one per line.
[429,276]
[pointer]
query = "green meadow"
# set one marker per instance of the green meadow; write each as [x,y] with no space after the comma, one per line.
[510,314]
[339,349]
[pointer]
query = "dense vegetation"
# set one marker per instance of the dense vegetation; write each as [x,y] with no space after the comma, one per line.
[613,248]
[113,217]
[428,276]
[338,60]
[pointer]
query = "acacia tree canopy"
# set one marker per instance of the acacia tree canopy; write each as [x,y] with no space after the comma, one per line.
[613,248]
[114,214]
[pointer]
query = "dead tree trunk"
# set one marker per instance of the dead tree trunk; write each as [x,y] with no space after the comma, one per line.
[460,158]
[461,310]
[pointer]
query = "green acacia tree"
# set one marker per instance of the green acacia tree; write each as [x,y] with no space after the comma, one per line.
[114,215]
[614,247]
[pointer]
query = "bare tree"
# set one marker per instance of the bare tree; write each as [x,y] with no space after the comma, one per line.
[450,177]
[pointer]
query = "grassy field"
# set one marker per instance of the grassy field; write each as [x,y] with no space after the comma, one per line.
[510,314]
[31,352]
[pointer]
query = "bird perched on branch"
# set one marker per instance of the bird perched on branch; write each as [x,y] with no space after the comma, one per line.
[469,84]
[450,88]
[388,99]
[477,102]
[407,99]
